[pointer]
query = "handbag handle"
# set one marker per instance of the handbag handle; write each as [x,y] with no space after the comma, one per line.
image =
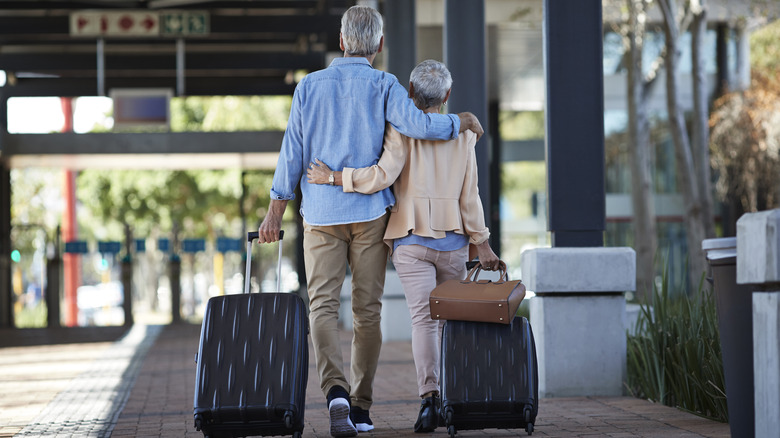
[474,272]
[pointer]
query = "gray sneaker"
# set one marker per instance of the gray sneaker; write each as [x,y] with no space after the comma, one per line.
[340,423]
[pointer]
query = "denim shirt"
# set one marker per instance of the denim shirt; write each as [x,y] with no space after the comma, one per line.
[338,115]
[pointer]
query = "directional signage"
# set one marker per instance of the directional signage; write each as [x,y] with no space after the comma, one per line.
[110,247]
[115,23]
[225,244]
[76,247]
[193,245]
[139,23]
[182,23]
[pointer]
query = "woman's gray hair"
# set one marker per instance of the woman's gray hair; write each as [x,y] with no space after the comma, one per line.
[431,81]
[361,30]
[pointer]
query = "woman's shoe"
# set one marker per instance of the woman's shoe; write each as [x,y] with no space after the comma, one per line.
[428,418]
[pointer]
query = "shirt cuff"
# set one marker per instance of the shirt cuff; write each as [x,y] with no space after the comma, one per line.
[346,179]
[455,125]
[281,197]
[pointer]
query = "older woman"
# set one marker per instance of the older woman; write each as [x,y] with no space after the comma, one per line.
[437,214]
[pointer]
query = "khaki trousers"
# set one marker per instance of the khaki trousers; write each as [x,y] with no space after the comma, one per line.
[327,250]
[421,269]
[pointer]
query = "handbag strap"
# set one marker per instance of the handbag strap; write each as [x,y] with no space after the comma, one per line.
[502,269]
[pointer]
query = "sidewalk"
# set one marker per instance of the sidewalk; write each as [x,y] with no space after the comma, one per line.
[152,395]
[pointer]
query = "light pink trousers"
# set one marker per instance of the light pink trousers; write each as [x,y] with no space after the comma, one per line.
[420,270]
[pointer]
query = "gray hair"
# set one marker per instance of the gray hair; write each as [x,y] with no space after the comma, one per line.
[361,30]
[431,81]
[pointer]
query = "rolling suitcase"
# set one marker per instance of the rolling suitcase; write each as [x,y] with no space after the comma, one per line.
[253,362]
[489,376]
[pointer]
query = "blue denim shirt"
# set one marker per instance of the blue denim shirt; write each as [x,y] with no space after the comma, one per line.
[338,115]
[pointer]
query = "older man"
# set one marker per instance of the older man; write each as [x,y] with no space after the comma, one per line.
[338,115]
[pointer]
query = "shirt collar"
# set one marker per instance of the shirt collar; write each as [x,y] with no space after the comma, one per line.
[350,60]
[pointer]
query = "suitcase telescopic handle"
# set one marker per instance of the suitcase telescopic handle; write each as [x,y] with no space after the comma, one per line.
[253,235]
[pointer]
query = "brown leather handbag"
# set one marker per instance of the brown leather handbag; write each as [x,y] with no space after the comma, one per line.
[478,300]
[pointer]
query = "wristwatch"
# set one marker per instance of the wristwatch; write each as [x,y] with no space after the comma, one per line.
[331,179]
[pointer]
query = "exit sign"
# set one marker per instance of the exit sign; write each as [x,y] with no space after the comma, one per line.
[134,23]
[183,23]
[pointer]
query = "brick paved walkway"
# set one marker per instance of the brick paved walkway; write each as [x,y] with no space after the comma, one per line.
[159,403]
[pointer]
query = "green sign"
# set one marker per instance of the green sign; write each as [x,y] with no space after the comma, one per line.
[184,23]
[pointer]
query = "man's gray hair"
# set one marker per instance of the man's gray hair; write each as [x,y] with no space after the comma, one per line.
[361,30]
[431,81]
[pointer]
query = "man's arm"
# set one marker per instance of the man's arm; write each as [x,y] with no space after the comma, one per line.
[272,224]
[411,121]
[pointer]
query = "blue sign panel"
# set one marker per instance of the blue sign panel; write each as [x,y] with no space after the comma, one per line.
[226,244]
[140,245]
[164,245]
[193,245]
[110,247]
[76,247]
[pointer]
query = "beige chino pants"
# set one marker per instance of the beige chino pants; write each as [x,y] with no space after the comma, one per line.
[327,251]
[421,269]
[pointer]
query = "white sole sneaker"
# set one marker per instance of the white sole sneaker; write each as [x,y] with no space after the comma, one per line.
[364,427]
[340,424]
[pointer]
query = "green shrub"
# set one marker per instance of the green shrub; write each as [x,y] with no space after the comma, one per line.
[675,357]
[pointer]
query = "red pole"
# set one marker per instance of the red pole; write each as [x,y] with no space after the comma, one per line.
[70,262]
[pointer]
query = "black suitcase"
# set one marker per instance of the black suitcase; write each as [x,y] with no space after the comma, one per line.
[489,376]
[253,363]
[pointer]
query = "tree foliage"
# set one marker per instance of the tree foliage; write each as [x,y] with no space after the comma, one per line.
[197,203]
[745,137]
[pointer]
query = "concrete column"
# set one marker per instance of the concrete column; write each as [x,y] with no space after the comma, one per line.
[574,118]
[174,273]
[400,38]
[579,318]
[464,55]
[6,292]
[758,263]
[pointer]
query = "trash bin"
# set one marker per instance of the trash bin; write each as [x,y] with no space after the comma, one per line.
[735,323]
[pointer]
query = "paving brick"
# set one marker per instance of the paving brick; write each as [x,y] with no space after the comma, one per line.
[159,400]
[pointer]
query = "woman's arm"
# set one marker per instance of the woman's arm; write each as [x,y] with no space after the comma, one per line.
[370,179]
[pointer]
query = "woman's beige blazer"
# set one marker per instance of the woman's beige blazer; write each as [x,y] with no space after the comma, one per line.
[434,182]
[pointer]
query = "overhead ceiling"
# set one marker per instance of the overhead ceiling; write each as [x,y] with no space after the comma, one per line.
[80,48]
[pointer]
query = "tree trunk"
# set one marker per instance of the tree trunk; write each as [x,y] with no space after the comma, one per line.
[686,171]
[645,236]
[701,115]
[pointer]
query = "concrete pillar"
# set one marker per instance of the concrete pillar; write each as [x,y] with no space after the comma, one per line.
[6,294]
[174,273]
[579,318]
[400,38]
[464,55]
[574,118]
[758,263]
[127,287]
[53,281]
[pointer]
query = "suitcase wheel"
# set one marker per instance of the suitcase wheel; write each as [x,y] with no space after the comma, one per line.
[527,415]
[297,434]
[288,419]
[451,430]
[448,416]
[529,428]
